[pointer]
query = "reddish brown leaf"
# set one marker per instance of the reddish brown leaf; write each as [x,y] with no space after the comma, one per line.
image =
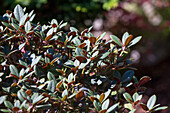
[14,95]
[92,98]
[74,69]
[73,33]
[84,55]
[80,58]
[15,109]
[101,97]
[28,92]
[92,40]
[54,25]
[54,61]
[64,98]
[103,111]
[8,12]
[14,84]
[144,107]
[128,40]
[60,71]
[136,102]
[85,31]
[78,33]
[12,75]
[144,80]
[59,84]
[48,37]
[45,95]
[45,65]
[92,58]
[82,45]
[85,38]
[80,94]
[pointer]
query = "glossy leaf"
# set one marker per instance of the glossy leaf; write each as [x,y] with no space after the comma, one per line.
[28,26]
[13,70]
[8,104]
[112,107]
[116,40]
[101,97]
[80,94]
[125,36]
[105,104]
[127,76]
[18,12]
[127,97]
[151,102]
[51,86]
[134,41]
[3,98]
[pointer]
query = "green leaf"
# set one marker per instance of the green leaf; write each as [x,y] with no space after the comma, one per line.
[128,106]
[23,19]
[101,37]
[35,61]
[136,97]
[13,70]
[107,94]
[116,40]
[134,41]
[127,97]
[28,26]
[151,102]
[112,107]
[32,17]
[2,54]
[62,25]
[105,55]
[105,104]
[127,76]
[37,71]
[18,12]
[69,63]
[23,63]
[5,110]
[21,95]
[51,85]
[22,45]
[15,26]
[35,100]
[125,36]
[3,98]
[160,108]
[73,29]
[70,77]
[97,105]
[45,106]
[17,104]
[78,52]
[65,92]
[22,72]
[8,104]
[50,76]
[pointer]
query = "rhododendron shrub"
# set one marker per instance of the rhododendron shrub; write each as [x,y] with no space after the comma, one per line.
[44,69]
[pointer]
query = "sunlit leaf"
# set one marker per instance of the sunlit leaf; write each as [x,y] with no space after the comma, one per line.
[116,40]
[151,102]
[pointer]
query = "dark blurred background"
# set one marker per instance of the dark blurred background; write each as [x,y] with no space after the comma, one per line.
[148,18]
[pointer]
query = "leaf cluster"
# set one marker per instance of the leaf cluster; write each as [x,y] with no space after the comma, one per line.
[46,69]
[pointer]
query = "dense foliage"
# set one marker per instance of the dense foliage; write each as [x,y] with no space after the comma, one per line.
[46,69]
